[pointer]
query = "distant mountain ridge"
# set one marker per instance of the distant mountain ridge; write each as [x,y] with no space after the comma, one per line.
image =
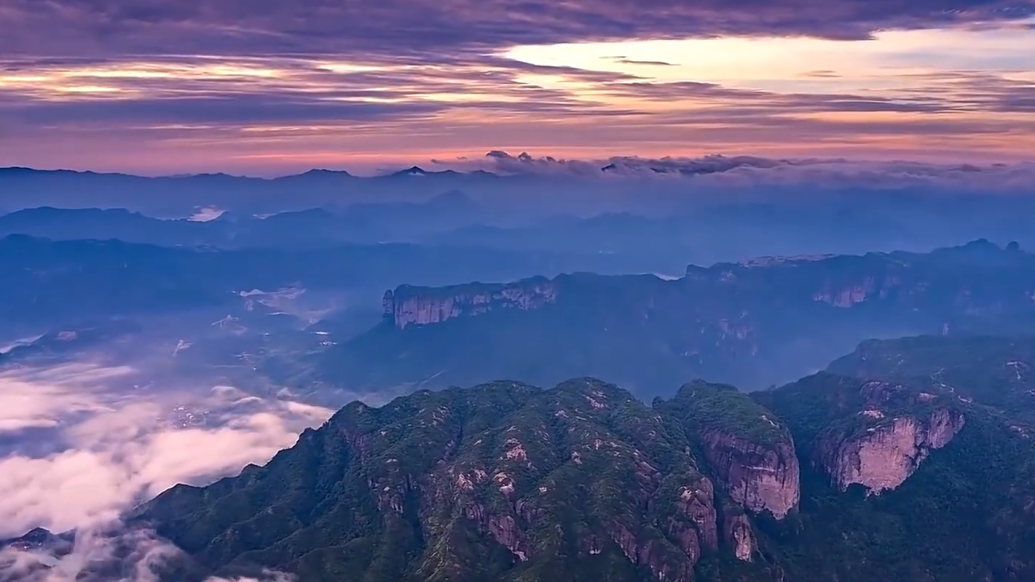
[322,226]
[177,195]
[52,283]
[745,323]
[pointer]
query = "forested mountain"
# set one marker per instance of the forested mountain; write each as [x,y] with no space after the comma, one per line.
[875,473]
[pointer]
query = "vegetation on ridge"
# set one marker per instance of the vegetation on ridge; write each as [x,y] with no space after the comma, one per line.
[583,482]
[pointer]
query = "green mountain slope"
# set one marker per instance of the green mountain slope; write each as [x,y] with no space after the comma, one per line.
[882,477]
[499,482]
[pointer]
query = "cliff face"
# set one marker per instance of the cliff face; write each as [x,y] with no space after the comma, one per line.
[971,280]
[873,433]
[758,477]
[885,455]
[749,451]
[414,306]
[740,537]
[751,324]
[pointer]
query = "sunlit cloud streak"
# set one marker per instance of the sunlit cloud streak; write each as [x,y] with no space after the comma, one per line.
[279,86]
[94,27]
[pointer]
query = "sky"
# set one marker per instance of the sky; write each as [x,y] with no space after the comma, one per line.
[266,87]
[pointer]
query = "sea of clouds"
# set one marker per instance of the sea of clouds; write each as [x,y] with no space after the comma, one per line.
[81,443]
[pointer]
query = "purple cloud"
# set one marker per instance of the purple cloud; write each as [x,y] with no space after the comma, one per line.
[405,78]
[416,27]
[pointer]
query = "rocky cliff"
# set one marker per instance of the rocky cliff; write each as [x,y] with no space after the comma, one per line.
[749,451]
[760,477]
[740,536]
[409,305]
[890,450]
[749,324]
[871,433]
[931,458]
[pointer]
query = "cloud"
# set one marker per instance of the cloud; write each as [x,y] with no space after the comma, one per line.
[106,84]
[423,27]
[206,214]
[29,399]
[107,552]
[98,553]
[761,171]
[628,61]
[109,449]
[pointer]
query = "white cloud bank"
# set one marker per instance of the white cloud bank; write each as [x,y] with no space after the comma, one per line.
[104,553]
[745,171]
[112,450]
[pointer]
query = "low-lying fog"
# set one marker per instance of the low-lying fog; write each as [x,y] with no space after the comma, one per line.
[82,441]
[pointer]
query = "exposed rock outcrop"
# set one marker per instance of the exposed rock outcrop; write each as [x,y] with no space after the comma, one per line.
[885,455]
[664,563]
[740,537]
[696,503]
[760,477]
[420,306]
[750,452]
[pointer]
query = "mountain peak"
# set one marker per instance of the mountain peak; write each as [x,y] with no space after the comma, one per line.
[322,173]
[411,171]
[981,244]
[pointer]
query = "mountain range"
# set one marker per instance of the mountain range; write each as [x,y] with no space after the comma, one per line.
[179,195]
[62,282]
[314,227]
[752,323]
[900,462]
[657,225]
[863,414]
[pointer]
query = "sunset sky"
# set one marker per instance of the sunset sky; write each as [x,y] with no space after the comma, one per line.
[268,87]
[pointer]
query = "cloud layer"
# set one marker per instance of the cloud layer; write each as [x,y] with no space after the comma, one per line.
[105,450]
[207,85]
[418,27]
[108,552]
[755,171]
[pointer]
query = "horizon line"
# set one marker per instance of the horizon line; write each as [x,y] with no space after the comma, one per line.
[605,166]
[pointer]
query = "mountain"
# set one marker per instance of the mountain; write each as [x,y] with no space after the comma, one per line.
[750,323]
[996,371]
[499,482]
[179,195]
[104,224]
[52,283]
[309,228]
[832,477]
[653,221]
[727,231]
